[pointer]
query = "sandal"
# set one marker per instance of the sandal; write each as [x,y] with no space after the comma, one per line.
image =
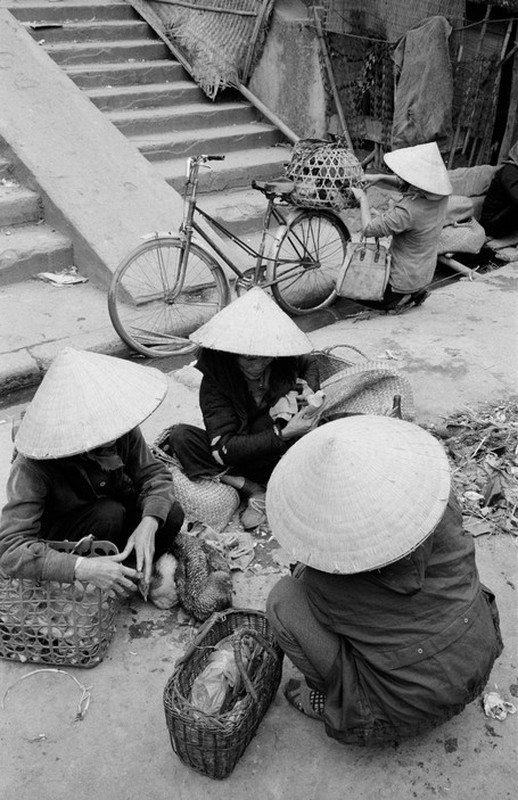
[308,701]
[255,512]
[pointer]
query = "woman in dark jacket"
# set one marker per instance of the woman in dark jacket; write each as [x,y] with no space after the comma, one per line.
[385,615]
[82,468]
[257,380]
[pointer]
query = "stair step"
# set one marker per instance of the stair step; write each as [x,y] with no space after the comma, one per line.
[241,210]
[143,73]
[67,55]
[59,12]
[18,205]
[29,249]
[193,116]
[214,141]
[152,95]
[238,170]
[107,30]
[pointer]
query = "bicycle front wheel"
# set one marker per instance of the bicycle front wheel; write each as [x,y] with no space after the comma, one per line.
[309,254]
[154,309]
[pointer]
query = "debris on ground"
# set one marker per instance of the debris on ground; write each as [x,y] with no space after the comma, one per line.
[482,446]
[84,701]
[65,277]
[496,707]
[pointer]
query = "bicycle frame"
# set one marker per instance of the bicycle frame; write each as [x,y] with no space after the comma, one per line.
[189,225]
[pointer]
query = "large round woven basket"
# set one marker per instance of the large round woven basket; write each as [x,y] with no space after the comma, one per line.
[204,500]
[323,171]
[63,624]
[367,388]
[212,744]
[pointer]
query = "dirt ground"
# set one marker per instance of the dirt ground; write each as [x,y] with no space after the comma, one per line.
[457,353]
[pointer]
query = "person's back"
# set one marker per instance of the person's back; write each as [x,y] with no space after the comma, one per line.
[414,223]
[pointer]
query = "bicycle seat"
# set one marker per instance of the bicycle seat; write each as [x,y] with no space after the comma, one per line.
[278,188]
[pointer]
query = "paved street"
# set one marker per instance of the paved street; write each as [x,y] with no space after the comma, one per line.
[458,350]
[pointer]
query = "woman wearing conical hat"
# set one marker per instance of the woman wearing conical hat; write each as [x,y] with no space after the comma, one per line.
[384,615]
[82,468]
[414,223]
[258,377]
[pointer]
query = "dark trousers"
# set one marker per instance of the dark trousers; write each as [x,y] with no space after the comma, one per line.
[391,299]
[309,646]
[114,521]
[191,446]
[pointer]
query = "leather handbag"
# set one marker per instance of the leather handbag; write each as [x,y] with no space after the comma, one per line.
[365,272]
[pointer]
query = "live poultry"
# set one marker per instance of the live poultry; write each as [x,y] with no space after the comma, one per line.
[203,579]
[162,587]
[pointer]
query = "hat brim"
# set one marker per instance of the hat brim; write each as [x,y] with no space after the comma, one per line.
[253,325]
[358,493]
[421,166]
[85,400]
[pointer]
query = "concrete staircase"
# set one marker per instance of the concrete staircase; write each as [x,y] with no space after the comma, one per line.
[130,75]
[27,244]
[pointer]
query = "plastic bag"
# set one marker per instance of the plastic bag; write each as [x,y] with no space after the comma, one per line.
[210,687]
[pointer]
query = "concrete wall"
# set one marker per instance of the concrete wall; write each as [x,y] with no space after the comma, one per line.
[288,78]
[96,186]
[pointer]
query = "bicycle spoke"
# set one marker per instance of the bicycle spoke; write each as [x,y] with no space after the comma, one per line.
[316,240]
[151,309]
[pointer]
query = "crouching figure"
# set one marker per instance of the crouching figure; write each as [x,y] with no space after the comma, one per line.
[384,613]
[82,468]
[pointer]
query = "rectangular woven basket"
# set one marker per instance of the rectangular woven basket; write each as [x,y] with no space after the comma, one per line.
[213,744]
[57,623]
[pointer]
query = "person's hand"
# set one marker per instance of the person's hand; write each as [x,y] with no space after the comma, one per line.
[299,425]
[106,572]
[142,540]
[357,192]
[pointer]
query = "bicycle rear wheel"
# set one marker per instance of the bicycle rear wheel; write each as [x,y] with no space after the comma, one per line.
[307,260]
[152,309]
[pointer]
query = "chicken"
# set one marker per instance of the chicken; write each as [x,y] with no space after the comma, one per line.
[162,587]
[203,578]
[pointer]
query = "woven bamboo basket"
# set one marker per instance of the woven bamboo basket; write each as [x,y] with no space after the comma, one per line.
[322,172]
[361,386]
[336,358]
[204,499]
[213,744]
[57,623]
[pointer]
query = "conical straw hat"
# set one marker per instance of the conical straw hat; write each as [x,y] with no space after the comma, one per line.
[422,166]
[253,325]
[358,493]
[85,400]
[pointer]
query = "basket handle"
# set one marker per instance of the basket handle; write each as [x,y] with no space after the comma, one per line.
[261,641]
[328,350]
[217,616]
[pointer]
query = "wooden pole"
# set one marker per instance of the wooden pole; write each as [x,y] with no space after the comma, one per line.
[331,76]
[466,94]
[152,19]
[485,139]
[457,266]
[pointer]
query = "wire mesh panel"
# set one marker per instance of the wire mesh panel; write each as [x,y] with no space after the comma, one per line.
[220,39]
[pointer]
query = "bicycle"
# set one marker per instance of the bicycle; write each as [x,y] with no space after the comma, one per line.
[170,285]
